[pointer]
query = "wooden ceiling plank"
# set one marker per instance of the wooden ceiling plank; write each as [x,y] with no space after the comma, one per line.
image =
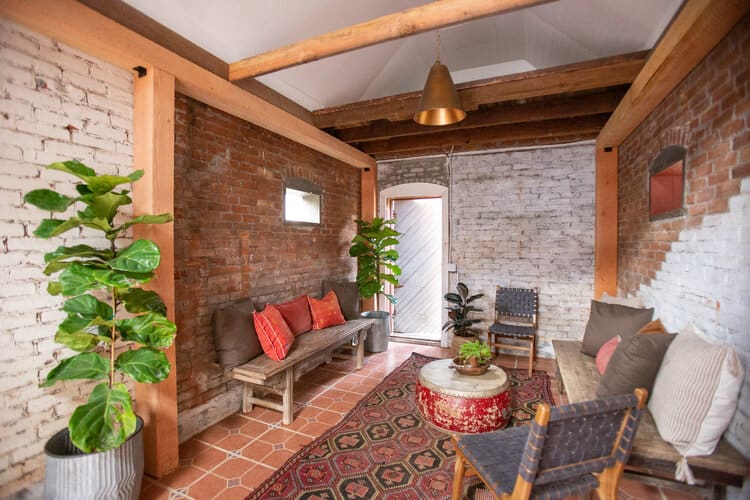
[696,29]
[401,24]
[512,132]
[85,29]
[135,20]
[547,109]
[589,75]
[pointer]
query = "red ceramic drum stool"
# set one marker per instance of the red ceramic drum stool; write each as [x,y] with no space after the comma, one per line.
[463,403]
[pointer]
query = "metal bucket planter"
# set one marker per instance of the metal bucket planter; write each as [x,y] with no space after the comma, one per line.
[380,331]
[73,474]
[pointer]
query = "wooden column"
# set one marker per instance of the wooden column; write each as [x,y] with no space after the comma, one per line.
[605,243]
[369,209]
[153,151]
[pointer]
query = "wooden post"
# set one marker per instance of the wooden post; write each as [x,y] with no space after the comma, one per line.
[153,151]
[368,211]
[605,239]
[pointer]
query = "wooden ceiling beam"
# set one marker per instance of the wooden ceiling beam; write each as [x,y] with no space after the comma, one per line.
[408,22]
[696,29]
[481,136]
[135,20]
[589,75]
[491,145]
[543,109]
[79,26]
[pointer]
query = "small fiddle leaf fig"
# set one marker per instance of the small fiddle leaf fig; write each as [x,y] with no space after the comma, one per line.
[144,365]
[88,365]
[150,329]
[105,421]
[376,260]
[46,199]
[141,257]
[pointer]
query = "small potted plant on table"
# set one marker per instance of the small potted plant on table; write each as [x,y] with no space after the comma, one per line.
[100,453]
[474,358]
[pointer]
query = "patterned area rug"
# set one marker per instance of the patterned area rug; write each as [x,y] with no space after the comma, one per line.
[384,448]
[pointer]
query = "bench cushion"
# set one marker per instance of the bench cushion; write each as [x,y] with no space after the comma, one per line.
[348,294]
[274,334]
[326,311]
[234,333]
[609,320]
[296,313]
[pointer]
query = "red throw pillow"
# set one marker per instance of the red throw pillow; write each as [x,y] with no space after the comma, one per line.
[605,353]
[326,312]
[274,334]
[296,313]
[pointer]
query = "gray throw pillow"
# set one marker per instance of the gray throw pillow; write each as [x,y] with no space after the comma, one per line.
[234,333]
[608,320]
[348,294]
[634,363]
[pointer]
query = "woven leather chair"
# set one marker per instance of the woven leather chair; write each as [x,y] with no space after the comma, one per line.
[568,450]
[515,318]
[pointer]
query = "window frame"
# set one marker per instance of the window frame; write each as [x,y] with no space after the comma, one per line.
[664,160]
[301,184]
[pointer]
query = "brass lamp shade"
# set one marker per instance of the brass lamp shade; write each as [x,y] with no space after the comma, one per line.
[439,104]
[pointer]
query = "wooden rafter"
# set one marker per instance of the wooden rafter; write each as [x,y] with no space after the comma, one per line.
[480,136]
[408,22]
[506,113]
[79,26]
[135,20]
[590,75]
[696,29]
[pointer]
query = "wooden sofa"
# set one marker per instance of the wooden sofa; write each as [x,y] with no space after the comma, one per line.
[650,455]
[264,375]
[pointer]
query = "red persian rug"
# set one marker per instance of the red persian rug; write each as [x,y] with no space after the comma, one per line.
[384,449]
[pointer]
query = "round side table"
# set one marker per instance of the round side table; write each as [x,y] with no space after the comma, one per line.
[463,403]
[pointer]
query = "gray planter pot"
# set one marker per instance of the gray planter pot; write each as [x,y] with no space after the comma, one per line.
[380,332]
[74,475]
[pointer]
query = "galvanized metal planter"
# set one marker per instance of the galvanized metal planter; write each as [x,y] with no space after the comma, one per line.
[380,331]
[74,475]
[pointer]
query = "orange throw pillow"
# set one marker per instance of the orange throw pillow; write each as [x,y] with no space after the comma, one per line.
[274,334]
[653,327]
[296,313]
[605,353]
[326,312]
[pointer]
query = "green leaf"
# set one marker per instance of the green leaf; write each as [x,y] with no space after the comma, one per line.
[369,289]
[105,421]
[138,300]
[47,228]
[144,365]
[358,249]
[453,298]
[389,279]
[150,329]
[391,298]
[77,279]
[73,167]
[78,341]
[141,219]
[389,254]
[105,205]
[46,199]
[76,251]
[54,288]
[87,365]
[135,175]
[74,323]
[101,184]
[114,279]
[393,268]
[141,257]
[389,242]
[88,306]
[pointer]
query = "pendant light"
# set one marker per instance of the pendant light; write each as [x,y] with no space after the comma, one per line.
[439,104]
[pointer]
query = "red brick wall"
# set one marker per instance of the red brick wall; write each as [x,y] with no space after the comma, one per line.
[230,239]
[709,114]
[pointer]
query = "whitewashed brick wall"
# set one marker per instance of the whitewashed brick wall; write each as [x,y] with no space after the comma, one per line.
[55,104]
[705,280]
[519,218]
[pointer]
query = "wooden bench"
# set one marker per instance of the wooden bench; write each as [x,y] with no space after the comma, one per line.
[309,350]
[651,455]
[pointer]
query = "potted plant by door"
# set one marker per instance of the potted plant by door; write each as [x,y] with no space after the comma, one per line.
[100,453]
[376,266]
[458,316]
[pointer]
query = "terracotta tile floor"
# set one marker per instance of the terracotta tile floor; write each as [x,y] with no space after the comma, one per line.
[229,459]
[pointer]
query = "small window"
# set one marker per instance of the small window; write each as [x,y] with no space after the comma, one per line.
[667,184]
[301,201]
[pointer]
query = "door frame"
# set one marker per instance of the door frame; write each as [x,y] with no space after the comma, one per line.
[418,190]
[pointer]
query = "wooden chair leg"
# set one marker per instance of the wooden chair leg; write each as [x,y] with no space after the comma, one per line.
[609,482]
[458,476]
[532,352]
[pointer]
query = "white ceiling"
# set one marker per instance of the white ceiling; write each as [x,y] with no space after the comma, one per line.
[552,34]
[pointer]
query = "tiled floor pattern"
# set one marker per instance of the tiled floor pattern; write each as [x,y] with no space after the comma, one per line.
[229,459]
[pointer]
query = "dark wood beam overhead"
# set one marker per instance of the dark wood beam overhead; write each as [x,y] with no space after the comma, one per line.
[548,108]
[481,136]
[589,75]
[401,24]
[136,21]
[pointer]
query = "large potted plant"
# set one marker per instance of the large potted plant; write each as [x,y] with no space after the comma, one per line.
[373,247]
[459,309]
[100,453]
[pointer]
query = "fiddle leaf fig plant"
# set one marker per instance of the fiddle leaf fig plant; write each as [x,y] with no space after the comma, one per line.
[376,258]
[104,303]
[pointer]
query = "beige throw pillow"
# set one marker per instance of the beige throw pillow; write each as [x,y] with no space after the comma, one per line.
[695,394]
